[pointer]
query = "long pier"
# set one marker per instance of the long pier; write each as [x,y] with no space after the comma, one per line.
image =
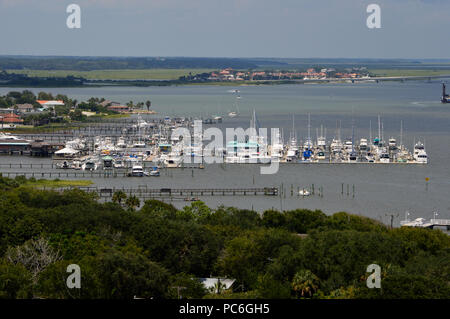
[145,192]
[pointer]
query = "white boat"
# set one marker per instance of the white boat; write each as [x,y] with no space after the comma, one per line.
[121,143]
[304,192]
[384,157]
[118,163]
[420,155]
[173,161]
[137,171]
[363,144]
[90,165]
[392,144]
[77,165]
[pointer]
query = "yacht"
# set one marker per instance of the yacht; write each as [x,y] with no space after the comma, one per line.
[392,144]
[384,157]
[90,165]
[363,144]
[137,171]
[420,155]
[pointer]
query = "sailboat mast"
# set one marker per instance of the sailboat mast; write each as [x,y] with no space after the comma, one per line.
[401,133]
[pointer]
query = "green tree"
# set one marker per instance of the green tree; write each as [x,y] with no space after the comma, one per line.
[305,283]
[119,196]
[132,202]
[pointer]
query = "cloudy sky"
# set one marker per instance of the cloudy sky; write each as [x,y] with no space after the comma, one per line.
[227,28]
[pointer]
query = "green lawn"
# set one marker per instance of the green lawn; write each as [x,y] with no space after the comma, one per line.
[147,74]
[58,183]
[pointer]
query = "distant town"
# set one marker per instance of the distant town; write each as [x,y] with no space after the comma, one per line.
[230,74]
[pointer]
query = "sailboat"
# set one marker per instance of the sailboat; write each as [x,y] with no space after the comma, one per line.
[234,113]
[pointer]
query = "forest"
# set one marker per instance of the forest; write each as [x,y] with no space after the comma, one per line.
[128,249]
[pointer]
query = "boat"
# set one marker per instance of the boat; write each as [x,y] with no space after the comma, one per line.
[321,155]
[76,165]
[445,97]
[107,162]
[392,144]
[384,157]
[234,113]
[154,171]
[63,165]
[420,155]
[363,144]
[304,192]
[90,165]
[118,163]
[137,171]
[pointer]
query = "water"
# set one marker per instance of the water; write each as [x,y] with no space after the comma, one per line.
[380,190]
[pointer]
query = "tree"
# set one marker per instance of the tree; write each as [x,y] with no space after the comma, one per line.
[35,255]
[15,281]
[305,283]
[148,104]
[119,196]
[132,202]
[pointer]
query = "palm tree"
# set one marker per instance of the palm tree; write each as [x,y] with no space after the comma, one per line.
[119,196]
[132,202]
[305,283]
[148,104]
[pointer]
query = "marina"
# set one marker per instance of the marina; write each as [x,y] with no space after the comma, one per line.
[316,147]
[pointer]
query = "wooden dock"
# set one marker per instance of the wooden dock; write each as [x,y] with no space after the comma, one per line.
[145,192]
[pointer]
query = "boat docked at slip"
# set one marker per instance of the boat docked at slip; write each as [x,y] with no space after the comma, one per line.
[251,151]
[420,155]
[90,164]
[137,171]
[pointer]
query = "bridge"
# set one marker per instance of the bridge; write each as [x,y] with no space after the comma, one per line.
[378,78]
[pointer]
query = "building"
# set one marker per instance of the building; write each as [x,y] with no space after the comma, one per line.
[10,118]
[24,108]
[48,104]
[119,108]
[107,103]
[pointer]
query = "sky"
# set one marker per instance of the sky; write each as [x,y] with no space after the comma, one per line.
[227,28]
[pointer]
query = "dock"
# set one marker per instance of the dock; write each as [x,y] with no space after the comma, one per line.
[144,192]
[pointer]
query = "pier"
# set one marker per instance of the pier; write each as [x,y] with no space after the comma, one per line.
[144,192]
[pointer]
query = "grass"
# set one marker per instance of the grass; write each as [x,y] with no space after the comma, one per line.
[408,72]
[39,129]
[57,183]
[146,74]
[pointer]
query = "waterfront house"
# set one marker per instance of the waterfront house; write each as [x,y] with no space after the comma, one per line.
[24,108]
[10,118]
[50,104]
[119,108]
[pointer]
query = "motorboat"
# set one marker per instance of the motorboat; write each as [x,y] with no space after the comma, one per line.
[137,171]
[304,192]
[89,165]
